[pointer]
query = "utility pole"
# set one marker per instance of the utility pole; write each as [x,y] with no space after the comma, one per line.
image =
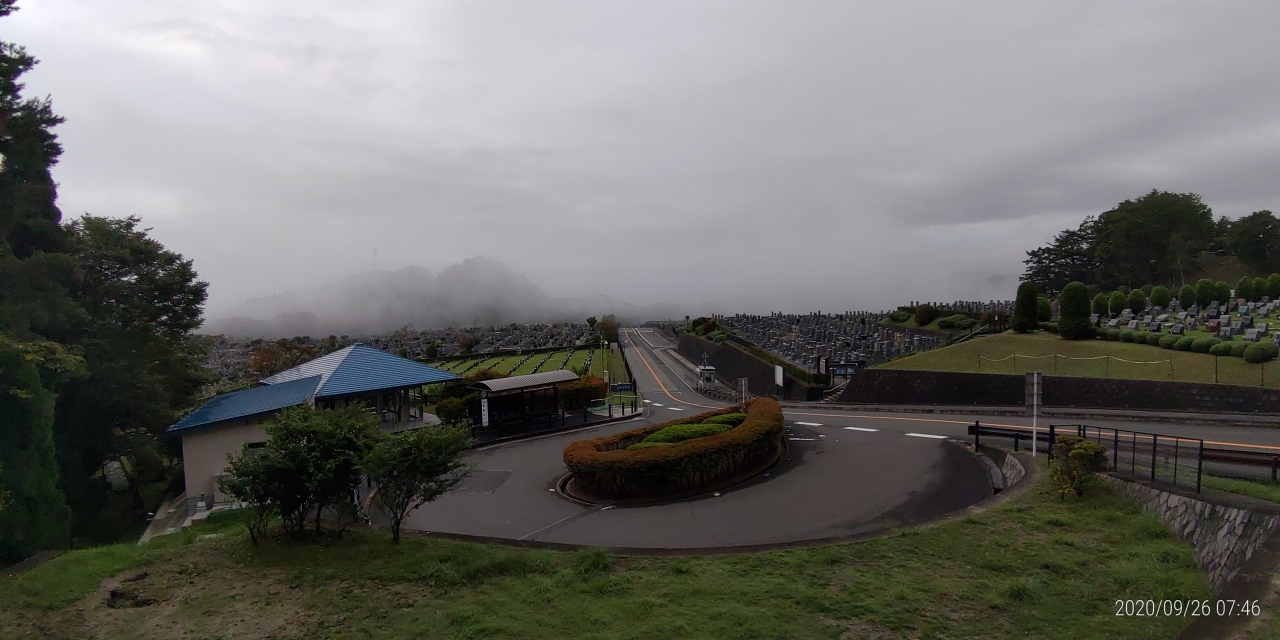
[1035,392]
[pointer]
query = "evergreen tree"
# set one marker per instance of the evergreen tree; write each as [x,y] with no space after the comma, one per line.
[1259,288]
[1160,297]
[1206,292]
[1073,312]
[1137,301]
[1101,305]
[1119,301]
[1273,286]
[1223,292]
[1244,288]
[1026,309]
[1187,296]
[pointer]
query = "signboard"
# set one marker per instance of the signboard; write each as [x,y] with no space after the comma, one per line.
[779,378]
[484,412]
[624,386]
[1035,391]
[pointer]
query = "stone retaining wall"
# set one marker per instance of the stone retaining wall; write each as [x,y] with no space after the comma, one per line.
[1222,537]
[1012,470]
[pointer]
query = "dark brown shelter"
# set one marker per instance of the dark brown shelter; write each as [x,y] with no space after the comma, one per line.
[519,400]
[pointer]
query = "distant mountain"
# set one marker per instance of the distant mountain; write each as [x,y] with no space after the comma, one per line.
[477,292]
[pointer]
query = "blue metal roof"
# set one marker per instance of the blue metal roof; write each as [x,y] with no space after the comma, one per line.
[242,404]
[360,369]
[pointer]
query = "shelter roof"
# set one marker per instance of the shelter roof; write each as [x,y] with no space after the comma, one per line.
[360,369]
[516,383]
[250,402]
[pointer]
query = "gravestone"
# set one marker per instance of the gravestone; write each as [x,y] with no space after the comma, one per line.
[1095,318]
[1225,333]
[1153,326]
[1113,323]
[1212,326]
[1164,317]
[1246,321]
[1133,324]
[1177,330]
[1251,335]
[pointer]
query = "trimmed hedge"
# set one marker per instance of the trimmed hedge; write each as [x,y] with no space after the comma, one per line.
[1128,335]
[1261,351]
[1221,349]
[1237,348]
[681,432]
[957,321]
[1113,335]
[1167,342]
[1203,345]
[1153,339]
[731,419]
[1184,344]
[604,468]
[1051,327]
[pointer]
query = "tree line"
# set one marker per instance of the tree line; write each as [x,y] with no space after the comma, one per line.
[97,356]
[1159,238]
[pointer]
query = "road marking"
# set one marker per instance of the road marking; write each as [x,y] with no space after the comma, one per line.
[810,424]
[648,401]
[656,404]
[927,435]
[658,380]
[862,429]
[804,439]
[675,408]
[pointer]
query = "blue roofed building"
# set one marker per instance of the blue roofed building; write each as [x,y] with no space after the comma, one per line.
[390,387]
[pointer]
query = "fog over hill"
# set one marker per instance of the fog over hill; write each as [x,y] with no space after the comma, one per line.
[478,291]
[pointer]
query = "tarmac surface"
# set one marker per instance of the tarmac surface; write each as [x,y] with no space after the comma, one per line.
[839,478]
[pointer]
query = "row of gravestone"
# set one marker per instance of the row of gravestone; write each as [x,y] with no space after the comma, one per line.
[846,337]
[1225,326]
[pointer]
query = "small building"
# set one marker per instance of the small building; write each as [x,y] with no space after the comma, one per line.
[390,386]
[519,402]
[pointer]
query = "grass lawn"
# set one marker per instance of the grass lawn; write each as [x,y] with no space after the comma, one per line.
[1260,489]
[1033,567]
[1186,366]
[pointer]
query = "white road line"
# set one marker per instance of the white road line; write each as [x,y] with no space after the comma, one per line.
[927,435]
[656,404]
[862,429]
[804,439]
[809,424]
[675,408]
[648,401]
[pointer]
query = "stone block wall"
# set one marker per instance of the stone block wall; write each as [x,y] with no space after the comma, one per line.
[1012,470]
[1222,537]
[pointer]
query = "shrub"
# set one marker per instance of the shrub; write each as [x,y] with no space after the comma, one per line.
[1259,288]
[1187,296]
[1101,305]
[1128,335]
[1044,309]
[1160,297]
[1153,339]
[1167,342]
[414,467]
[1238,348]
[899,316]
[1142,337]
[1118,302]
[1073,312]
[1184,344]
[1224,292]
[1076,463]
[1026,309]
[957,321]
[605,468]
[731,419]
[646,445]
[452,411]
[1206,292]
[925,314]
[1113,335]
[1273,286]
[681,432]
[1261,351]
[1221,349]
[1137,301]
[1051,327]
[1244,288]
[580,392]
[1203,345]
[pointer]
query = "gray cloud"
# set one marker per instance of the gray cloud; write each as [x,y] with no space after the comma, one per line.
[765,155]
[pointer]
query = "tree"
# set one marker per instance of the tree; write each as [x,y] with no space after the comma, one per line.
[925,314]
[1273,286]
[468,343]
[1223,292]
[1076,463]
[270,358]
[1100,304]
[431,351]
[1073,312]
[1119,302]
[1244,288]
[608,328]
[1137,301]
[1155,238]
[1044,309]
[1255,239]
[1069,257]
[591,323]
[1259,288]
[251,481]
[1187,296]
[1206,292]
[412,468]
[1160,297]
[37,517]
[1026,309]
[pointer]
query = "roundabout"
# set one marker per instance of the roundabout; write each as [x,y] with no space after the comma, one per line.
[832,482]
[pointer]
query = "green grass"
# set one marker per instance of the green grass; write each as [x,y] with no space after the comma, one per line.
[1186,366]
[1034,567]
[1260,489]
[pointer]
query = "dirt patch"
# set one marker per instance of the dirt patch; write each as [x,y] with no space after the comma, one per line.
[862,630]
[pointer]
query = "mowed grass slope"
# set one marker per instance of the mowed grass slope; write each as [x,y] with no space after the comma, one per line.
[1033,567]
[1186,366]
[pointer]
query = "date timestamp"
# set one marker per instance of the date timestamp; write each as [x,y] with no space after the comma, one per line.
[1191,608]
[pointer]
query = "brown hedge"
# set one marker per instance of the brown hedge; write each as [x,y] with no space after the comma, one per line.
[604,468]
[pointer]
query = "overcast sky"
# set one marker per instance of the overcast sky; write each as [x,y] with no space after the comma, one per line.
[774,155]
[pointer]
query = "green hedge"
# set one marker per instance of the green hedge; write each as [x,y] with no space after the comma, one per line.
[1221,349]
[1128,335]
[681,432]
[1237,348]
[604,467]
[1184,344]
[1167,342]
[1261,351]
[1113,335]
[1153,339]
[957,321]
[1203,345]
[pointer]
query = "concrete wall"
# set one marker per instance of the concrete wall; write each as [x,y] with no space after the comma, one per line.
[896,386]
[1222,536]
[732,363]
[204,454]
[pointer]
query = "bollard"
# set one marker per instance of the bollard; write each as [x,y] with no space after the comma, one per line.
[1017,437]
[977,435]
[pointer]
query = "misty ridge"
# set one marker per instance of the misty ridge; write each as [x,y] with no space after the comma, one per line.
[479,291]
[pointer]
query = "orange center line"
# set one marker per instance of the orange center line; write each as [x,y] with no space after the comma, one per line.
[659,380]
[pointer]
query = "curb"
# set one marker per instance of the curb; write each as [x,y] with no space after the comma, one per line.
[1232,419]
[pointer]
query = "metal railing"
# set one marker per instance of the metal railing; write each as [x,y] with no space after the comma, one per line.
[1160,458]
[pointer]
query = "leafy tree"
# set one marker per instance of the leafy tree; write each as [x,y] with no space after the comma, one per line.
[608,328]
[37,517]
[1223,292]
[1069,257]
[1187,296]
[1026,309]
[1076,463]
[1206,292]
[925,314]
[468,343]
[1244,288]
[412,468]
[1273,286]
[453,411]
[1157,237]
[1255,238]
[431,351]
[1119,301]
[1101,305]
[1073,313]
[1044,309]
[251,480]
[591,323]
[270,358]
[1137,301]
[1160,297]
[1259,288]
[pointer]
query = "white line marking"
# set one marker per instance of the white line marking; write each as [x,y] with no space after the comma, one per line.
[675,408]
[656,404]
[862,429]
[927,435]
[810,424]
[648,401]
[804,439]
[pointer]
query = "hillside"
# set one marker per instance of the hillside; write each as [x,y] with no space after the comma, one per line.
[994,354]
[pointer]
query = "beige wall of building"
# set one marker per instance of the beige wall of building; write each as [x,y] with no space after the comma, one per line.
[204,453]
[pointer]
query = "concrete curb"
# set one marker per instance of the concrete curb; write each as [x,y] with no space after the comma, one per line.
[1232,419]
